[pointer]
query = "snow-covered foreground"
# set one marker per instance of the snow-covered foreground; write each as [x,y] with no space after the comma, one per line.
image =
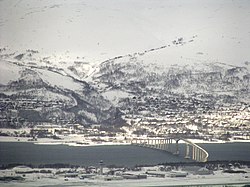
[48,180]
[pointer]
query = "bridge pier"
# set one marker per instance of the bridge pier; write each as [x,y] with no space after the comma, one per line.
[165,142]
[194,153]
[187,156]
[198,155]
[170,147]
[177,151]
[162,144]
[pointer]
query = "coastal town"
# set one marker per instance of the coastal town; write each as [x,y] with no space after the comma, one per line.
[144,117]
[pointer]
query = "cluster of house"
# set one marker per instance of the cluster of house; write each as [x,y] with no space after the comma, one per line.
[151,116]
[113,173]
[188,116]
[105,173]
[14,112]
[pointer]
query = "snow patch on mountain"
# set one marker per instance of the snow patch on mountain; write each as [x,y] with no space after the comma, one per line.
[56,79]
[8,72]
[116,95]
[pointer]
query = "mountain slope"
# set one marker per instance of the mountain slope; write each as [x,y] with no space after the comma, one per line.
[106,62]
[50,96]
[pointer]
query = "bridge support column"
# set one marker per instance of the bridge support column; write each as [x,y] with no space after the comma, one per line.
[194,153]
[187,152]
[170,145]
[201,156]
[177,152]
[198,156]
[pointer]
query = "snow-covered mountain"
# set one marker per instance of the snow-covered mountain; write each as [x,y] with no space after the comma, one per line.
[98,30]
[132,76]
[106,89]
[83,60]
[43,95]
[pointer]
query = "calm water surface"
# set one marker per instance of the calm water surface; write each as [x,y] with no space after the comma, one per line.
[125,155]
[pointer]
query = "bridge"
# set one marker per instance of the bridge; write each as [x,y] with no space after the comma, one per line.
[171,145]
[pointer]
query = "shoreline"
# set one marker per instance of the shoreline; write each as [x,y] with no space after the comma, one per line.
[77,141]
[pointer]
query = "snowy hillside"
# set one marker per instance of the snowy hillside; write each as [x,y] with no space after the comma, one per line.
[98,30]
[88,59]
[131,75]
[49,96]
